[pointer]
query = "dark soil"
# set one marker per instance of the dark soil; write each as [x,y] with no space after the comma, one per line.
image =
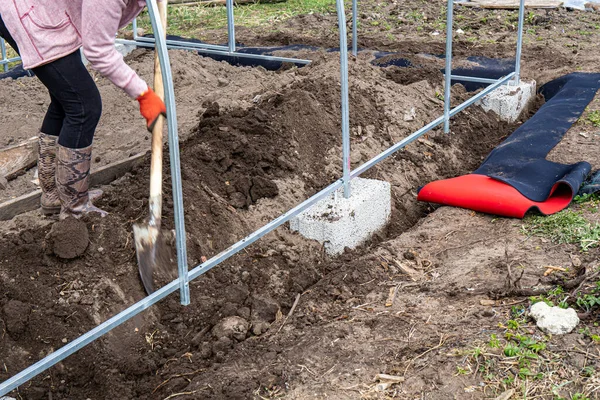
[281,319]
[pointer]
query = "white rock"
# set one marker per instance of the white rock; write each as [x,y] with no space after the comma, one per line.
[460,31]
[231,327]
[554,320]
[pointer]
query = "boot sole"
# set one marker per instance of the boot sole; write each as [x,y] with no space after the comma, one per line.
[50,210]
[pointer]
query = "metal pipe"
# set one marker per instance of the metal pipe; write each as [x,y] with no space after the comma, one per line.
[180,235]
[3,52]
[135,28]
[473,79]
[230,26]
[345,102]
[448,86]
[520,42]
[377,159]
[221,52]
[171,42]
[354,27]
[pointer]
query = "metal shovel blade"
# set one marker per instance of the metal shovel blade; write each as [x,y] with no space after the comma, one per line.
[146,239]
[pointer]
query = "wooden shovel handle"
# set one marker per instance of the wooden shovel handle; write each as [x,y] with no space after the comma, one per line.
[157,132]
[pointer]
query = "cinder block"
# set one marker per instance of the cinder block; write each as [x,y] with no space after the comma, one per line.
[509,101]
[337,222]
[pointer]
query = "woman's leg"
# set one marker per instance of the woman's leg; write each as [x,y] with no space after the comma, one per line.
[75,94]
[51,127]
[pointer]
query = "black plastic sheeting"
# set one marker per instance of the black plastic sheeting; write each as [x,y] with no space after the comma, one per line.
[520,160]
[483,68]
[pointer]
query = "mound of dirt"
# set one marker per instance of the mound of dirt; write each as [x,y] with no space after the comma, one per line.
[68,238]
[242,165]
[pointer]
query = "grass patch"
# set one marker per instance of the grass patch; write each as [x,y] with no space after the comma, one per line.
[565,227]
[594,118]
[191,21]
[520,359]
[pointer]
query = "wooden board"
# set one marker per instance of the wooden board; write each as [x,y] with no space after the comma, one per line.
[102,176]
[511,4]
[18,158]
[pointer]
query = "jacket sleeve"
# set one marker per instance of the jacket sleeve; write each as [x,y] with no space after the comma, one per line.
[100,23]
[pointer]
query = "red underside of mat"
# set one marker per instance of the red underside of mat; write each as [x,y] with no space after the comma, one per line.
[484,194]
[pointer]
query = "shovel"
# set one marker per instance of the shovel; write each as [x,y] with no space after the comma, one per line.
[150,242]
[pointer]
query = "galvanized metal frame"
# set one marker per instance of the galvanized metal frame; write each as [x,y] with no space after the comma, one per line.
[516,75]
[182,282]
[4,61]
[230,49]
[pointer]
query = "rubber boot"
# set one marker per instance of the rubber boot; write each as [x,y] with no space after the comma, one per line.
[72,181]
[50,202]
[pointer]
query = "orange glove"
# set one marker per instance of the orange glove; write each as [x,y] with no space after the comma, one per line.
[151,107]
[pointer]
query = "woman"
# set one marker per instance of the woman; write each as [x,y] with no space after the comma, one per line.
[48,35]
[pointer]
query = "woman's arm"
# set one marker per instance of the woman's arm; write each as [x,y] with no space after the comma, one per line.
[100,23]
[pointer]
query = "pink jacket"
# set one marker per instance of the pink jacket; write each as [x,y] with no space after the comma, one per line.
[46,30]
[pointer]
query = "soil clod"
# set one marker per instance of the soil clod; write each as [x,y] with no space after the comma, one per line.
[68,239]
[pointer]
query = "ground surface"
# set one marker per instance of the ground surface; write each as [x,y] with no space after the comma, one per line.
[435,300]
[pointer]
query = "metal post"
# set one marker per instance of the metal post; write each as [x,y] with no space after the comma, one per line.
[354,27]
[230,26]
[3,50]
[520,42]
[135,28]
[163,54]
[345,101]
[448,78]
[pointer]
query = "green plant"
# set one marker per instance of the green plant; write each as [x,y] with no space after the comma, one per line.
[512,324]
[511,350]
[579,396]
[588,371]
[594,118]
[494,342]
[462,371]
[564,227]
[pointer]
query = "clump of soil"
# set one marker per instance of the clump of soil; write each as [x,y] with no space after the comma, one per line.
[68,238]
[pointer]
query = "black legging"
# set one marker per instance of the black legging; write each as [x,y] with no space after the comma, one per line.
[75,103]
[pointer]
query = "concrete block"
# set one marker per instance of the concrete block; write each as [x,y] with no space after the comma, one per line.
[337,222]
[123,49]
[509,101]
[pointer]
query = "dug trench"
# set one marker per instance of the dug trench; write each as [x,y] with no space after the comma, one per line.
[242,167]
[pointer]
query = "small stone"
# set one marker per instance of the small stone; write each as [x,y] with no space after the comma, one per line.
[554,320]
[370,130]
[222,82]
[231,327]
[355,157]
[410,115]
[486,302]
[3,183]
[576,261]
[460,32]
[64,340]
[260,327]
